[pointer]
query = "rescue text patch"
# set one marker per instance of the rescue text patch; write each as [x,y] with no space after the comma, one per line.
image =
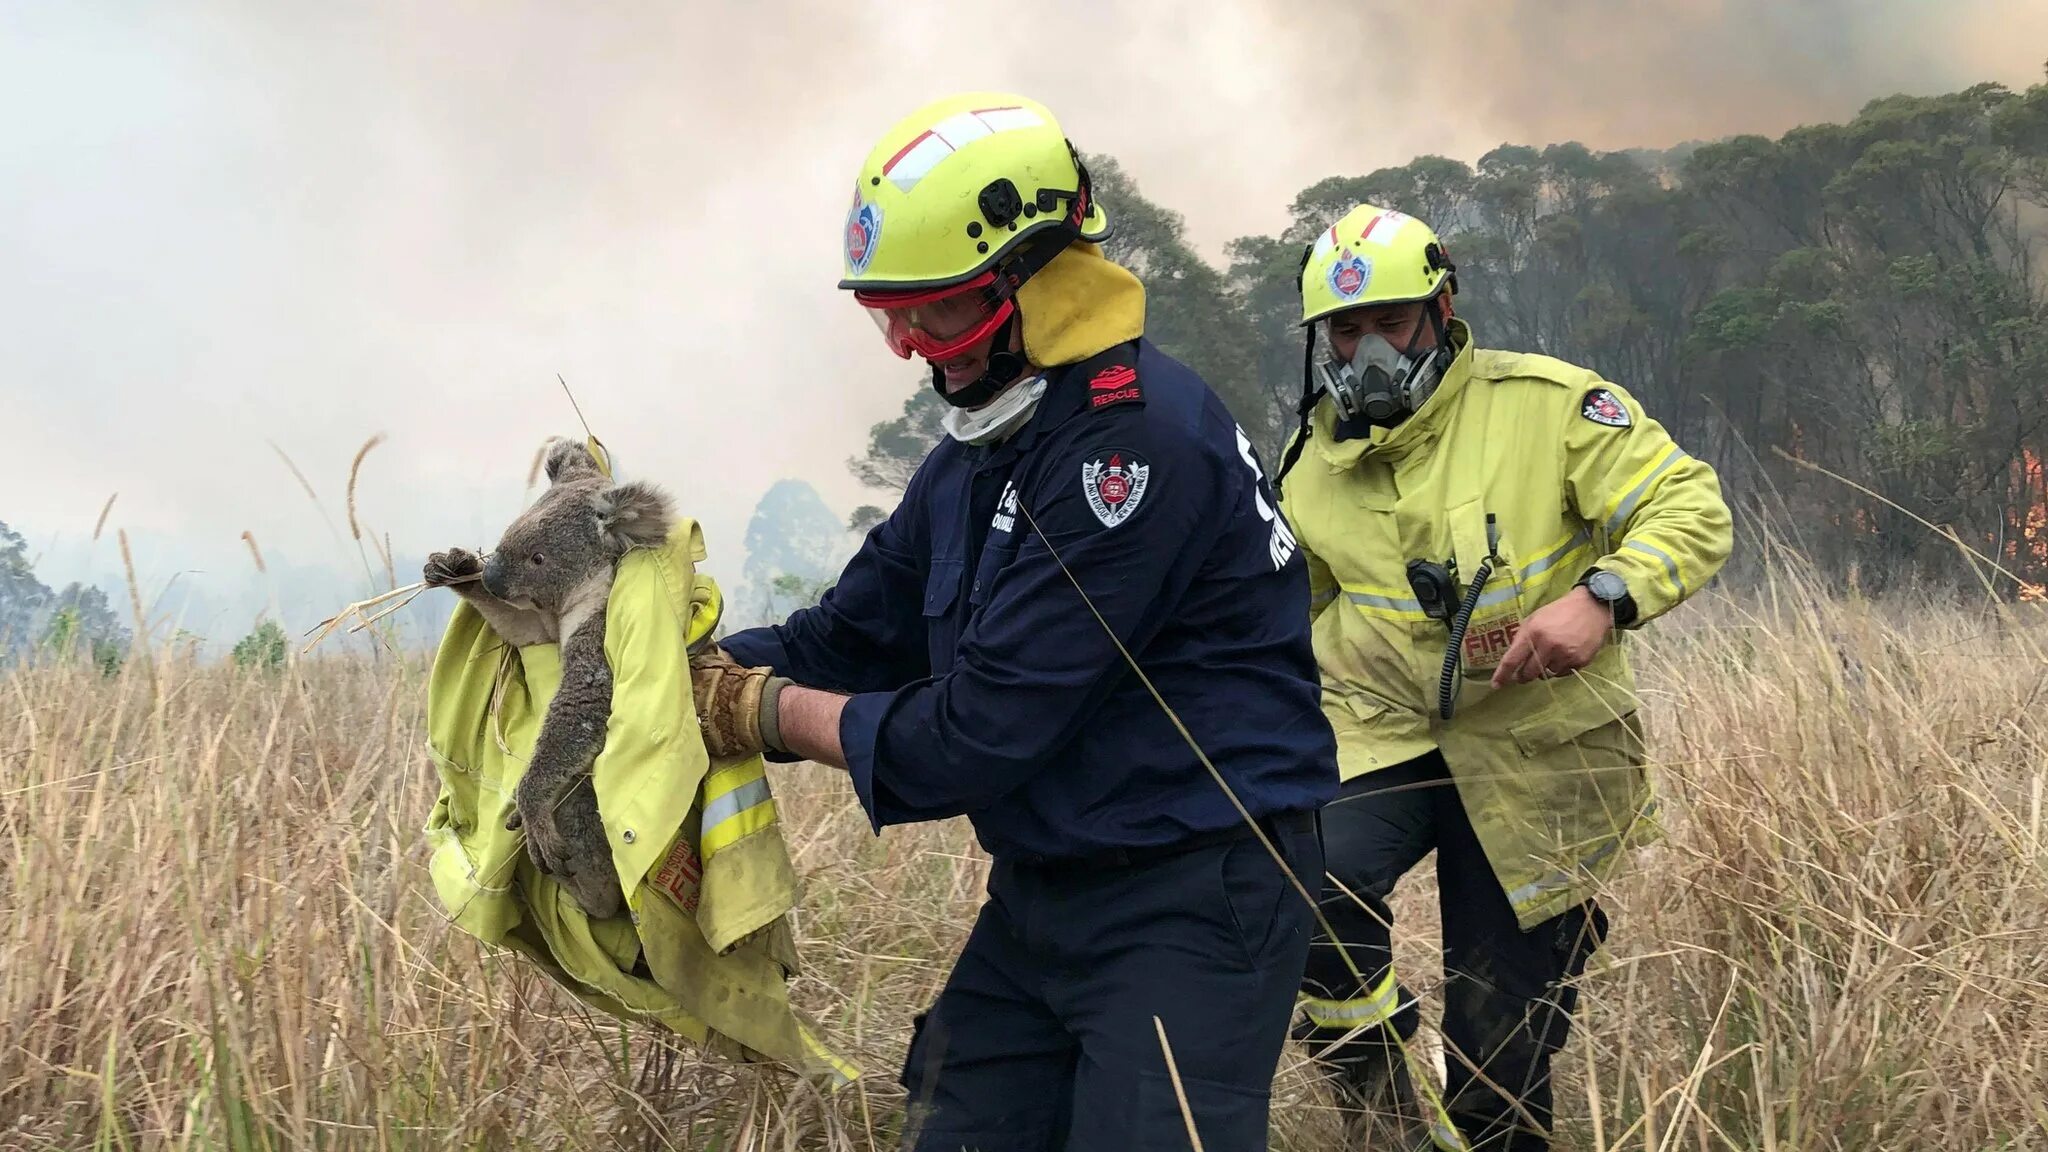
[1116,384]
[1601,407]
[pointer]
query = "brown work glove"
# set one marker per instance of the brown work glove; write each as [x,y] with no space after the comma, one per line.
[735,704]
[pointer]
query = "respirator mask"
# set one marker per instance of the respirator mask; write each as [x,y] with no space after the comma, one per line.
[1378,384]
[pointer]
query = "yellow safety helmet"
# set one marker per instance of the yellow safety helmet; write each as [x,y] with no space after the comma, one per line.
[954,209]
[956,186]
[1372,255]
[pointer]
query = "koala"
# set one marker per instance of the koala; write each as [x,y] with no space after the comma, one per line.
[548,581]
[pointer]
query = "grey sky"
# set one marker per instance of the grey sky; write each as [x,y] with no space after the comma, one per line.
[225,224]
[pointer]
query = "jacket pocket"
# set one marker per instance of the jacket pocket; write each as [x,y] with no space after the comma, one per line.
[1252,888]
[1365,709]
[1590,723]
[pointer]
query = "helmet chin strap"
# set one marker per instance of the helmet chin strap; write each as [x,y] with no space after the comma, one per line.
[1003,369]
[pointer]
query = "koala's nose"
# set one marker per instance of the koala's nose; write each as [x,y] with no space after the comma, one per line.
[494,576]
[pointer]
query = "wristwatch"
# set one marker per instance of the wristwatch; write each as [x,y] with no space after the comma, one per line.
[1612,591]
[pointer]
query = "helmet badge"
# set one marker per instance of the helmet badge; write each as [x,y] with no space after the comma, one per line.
[863,226]
[1350,274]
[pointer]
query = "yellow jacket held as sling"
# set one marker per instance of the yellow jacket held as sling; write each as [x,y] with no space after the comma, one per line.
[1576,474]
[705,949]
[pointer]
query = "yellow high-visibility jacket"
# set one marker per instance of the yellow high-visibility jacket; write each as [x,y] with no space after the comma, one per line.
[1553,772]
[704,948]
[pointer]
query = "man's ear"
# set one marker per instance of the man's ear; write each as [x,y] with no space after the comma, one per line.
[634,515]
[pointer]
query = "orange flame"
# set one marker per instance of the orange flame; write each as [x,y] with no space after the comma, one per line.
[2029,548]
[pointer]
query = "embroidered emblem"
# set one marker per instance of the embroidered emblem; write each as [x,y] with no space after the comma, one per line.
[1115,487]
[1601,407]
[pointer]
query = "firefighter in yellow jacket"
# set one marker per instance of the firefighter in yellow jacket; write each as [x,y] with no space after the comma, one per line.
[1479,525]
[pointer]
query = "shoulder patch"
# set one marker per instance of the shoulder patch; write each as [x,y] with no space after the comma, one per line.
[1601,407]
[1114,481]
[1114,384]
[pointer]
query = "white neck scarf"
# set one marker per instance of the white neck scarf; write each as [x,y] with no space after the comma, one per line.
[997,418]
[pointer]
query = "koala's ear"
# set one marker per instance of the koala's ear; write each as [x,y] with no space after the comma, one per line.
[634,515]
[569,460]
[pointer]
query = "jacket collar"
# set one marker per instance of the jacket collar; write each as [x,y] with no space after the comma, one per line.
[1066,396]
[1412,435]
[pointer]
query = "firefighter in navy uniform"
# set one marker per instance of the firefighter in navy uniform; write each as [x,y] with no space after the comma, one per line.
[1433,479]
[956,666]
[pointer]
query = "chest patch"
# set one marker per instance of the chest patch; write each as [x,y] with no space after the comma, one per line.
[1005,519]
[1114,486]
[1601,407]
[1487,640]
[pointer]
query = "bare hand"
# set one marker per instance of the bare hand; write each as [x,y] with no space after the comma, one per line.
[1560,638]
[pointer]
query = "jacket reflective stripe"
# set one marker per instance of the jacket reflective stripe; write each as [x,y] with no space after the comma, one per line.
[1627,505]
[737,805]
[1536,888]
[1558,555]
[1670,565]
[1444,1135]
[1375,1007]
[1400,605]
[842,1073]
[1408,606]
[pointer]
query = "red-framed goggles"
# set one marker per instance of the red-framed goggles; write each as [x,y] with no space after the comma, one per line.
[939,324]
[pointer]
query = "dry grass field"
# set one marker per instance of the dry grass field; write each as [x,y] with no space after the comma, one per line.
[218,931]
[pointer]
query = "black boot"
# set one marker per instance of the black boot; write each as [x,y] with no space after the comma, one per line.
[1378,1096]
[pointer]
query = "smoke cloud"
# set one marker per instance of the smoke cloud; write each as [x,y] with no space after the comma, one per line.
[231,224]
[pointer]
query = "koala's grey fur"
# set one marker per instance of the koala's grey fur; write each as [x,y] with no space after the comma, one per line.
[549,580]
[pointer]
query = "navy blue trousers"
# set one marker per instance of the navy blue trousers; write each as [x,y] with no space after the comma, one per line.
[1509,995]
[1043,1037]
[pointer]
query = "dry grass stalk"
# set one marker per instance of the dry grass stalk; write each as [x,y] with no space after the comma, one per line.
[296,474]
[255,553]
[101,523]
[382,547]
[308,487]
[360,610]
[355,467]
[1180,1092]
[135,604]
[225,919]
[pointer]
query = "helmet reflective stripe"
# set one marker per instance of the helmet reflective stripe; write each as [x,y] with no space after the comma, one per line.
[923,154]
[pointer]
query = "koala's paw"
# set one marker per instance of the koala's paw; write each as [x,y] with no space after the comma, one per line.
[566,840]
[455,566]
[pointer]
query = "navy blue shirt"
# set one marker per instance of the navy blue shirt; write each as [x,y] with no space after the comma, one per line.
[983,684]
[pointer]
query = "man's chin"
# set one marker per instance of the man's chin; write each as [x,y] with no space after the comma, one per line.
[960,375]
